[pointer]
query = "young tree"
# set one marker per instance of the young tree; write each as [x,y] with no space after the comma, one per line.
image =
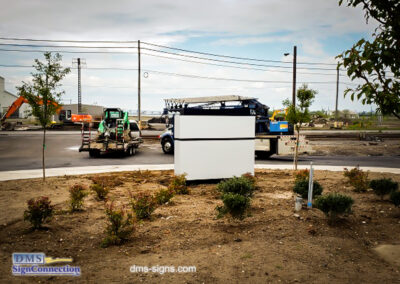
[297,115]
[376,62]
[43,94]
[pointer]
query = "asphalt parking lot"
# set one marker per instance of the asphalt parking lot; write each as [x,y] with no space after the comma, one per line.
[22,151]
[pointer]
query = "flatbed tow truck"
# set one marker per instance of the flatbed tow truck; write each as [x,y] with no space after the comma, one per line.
[272,136]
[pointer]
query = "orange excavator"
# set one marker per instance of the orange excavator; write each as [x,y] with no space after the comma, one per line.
[75,118]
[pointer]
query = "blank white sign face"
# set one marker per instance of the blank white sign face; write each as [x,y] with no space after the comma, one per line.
[202,153]
[213,126]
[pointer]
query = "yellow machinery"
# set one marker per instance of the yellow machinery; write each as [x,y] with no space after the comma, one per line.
[277,112]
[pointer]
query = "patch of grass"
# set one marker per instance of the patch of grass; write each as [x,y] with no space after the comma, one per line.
[246,256]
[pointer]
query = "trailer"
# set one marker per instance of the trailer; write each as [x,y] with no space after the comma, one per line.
[272,136]
[116,134]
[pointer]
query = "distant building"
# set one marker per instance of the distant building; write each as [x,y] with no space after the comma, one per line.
[6,100]
[95,111]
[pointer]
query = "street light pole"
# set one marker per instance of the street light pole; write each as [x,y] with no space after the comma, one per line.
[294,75]
[139,87]
[337,93]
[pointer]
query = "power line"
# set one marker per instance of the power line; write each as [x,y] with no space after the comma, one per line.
[161,51]
[230,79]
[78,41]
[229,66]
[64,46]
[234,57]
[159,56]
[240,63]
[186,75]
[67,51]
[162,46]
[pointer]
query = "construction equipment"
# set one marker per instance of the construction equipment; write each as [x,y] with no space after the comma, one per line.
[63,117]
[116,133]
[278,112]
[272,137]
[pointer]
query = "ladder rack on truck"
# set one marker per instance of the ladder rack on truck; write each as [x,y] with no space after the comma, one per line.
[272,137]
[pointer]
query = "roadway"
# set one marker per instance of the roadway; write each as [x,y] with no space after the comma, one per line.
[22,151]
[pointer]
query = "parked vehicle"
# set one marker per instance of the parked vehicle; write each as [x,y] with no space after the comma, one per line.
[116,133]
[272,136]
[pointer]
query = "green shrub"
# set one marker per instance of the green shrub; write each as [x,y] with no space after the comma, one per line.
[77,192]
[100,190]
[235,194]
[163,196]
[357,178]
[237,185]
[395,198]
[119,227]
[143,205]
[301,175]
[383,186]
[178,184]
[301,187]
[252,179]
[334,204]
[235,204]
[39,210]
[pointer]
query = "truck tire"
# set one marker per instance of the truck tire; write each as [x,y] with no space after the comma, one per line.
[131,151]
[94,153]
[264,154]
[167,146]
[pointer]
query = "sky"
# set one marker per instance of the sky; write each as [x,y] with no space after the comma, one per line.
[259,29]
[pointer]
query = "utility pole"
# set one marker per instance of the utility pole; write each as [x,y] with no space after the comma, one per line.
[139,73]
[337,93]
[79,87]
[79,62]
[294,75]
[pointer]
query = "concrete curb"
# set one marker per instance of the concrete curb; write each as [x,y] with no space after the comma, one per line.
[37,173]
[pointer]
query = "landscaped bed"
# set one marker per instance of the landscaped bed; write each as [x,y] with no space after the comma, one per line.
[271,244]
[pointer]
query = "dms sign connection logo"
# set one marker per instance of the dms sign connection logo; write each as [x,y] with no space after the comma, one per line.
[35,264]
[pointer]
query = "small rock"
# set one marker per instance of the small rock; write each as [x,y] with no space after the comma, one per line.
[238,240]
[296,216]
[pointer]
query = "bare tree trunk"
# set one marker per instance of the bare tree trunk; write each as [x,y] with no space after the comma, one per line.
[43,149]
[296,153]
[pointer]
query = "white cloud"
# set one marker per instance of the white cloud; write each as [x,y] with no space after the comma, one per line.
[231,22]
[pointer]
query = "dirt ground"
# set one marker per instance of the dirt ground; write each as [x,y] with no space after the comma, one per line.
[389,147]
[271,245]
